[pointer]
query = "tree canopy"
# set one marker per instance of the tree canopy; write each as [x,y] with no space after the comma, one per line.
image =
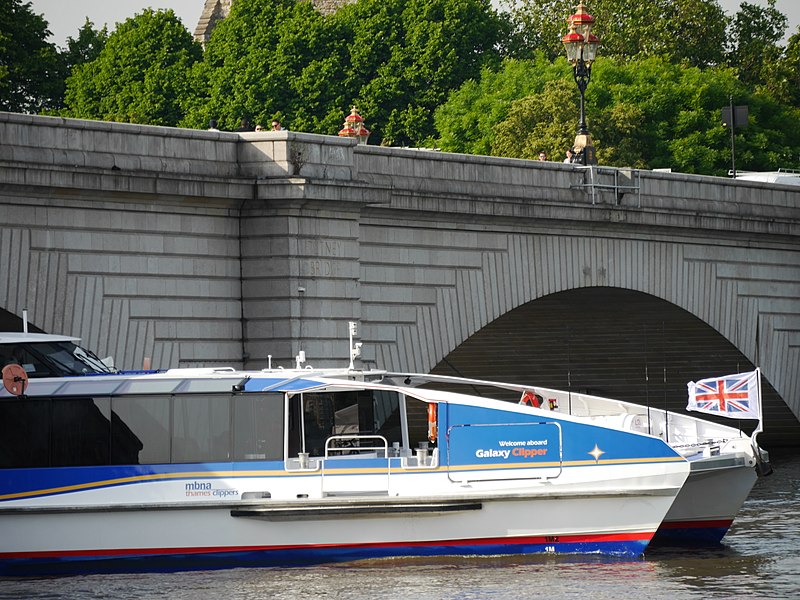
[141,75]
[691,30]
[396,59]
[30,69]
[646,113]
[270,58]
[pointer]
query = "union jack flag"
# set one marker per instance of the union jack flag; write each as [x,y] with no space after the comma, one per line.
[734,396]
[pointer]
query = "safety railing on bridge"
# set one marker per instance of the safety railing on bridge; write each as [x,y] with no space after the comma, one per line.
[617,181]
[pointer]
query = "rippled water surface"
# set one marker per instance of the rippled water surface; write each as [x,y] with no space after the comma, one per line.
[760,558]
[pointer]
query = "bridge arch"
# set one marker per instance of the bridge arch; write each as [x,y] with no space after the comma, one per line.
[715,288]
[610,342]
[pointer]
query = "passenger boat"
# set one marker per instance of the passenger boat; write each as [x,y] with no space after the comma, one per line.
[215,468]
[725,462]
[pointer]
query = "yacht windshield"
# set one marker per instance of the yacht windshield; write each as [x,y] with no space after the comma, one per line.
[54,359]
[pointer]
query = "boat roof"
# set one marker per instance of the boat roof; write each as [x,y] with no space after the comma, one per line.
[22,337]
[787,177]
[222,380]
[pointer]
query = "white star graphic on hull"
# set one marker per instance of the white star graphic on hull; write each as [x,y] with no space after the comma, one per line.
[597,453]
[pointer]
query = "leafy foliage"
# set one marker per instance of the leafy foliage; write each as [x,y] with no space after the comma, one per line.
[691,30]
[271,58]
[467,120]
[538,122]
[30,69]
[754,50]
[646,113]
[140,75]
[86,47]
[396,59]
[407,55]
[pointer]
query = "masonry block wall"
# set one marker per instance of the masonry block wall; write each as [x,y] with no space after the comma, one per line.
[198,248]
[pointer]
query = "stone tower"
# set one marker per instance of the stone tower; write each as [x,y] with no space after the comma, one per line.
[216,10]
[213,12]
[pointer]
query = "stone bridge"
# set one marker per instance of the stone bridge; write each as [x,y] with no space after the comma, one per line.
[196,248]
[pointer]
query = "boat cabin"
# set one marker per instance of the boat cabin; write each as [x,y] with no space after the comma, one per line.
[164,419]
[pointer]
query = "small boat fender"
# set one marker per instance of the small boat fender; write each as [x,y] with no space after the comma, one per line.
[433,425]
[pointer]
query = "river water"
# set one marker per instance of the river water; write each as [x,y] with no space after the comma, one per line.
[760,558]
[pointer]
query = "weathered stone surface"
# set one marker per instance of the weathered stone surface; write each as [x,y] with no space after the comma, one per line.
[202,248]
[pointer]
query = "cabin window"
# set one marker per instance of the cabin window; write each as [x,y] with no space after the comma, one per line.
[32,363]
[363,412]
[24,433]
[81,434]
[258,427]
[201,429]
[140,430]
[151,429]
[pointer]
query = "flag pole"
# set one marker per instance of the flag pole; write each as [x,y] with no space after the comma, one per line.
[763,467]
[760,427]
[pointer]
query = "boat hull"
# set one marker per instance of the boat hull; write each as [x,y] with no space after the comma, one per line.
[335,530]
[708,503]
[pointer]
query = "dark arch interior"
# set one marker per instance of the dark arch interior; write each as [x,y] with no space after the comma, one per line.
[615,343]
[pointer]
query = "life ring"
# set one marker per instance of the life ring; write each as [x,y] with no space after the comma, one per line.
[531,398]
[433,425]
[15,379]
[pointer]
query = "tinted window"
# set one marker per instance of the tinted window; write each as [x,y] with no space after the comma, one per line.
[140,430]
[87,431]
[81,434]
[201,429]
[258,427]
[24,433]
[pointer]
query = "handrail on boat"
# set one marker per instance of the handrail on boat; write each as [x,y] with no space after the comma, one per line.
[358,449]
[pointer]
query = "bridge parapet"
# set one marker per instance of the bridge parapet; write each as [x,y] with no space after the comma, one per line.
[502,187]
[83,144]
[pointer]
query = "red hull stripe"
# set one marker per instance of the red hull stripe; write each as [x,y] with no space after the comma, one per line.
[696,524]
[120,552]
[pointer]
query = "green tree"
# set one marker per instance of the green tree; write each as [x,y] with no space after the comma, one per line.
[754,50]
[543,121]
[141,75]
[790,71]
[30,70]
[466,122]
[691,30]
[86,47]
[647,113]
[272,58]
[407,55]
[395,59]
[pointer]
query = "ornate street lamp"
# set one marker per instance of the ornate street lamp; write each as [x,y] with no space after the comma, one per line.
[354,127]
[581,46]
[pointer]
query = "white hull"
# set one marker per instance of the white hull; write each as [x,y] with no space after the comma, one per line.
[709,501]
[612,523]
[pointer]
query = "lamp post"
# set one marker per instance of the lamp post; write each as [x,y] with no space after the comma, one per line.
[354,127]
[581,46]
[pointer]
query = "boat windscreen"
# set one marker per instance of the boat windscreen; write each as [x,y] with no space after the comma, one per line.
[57,359]
[280,384]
